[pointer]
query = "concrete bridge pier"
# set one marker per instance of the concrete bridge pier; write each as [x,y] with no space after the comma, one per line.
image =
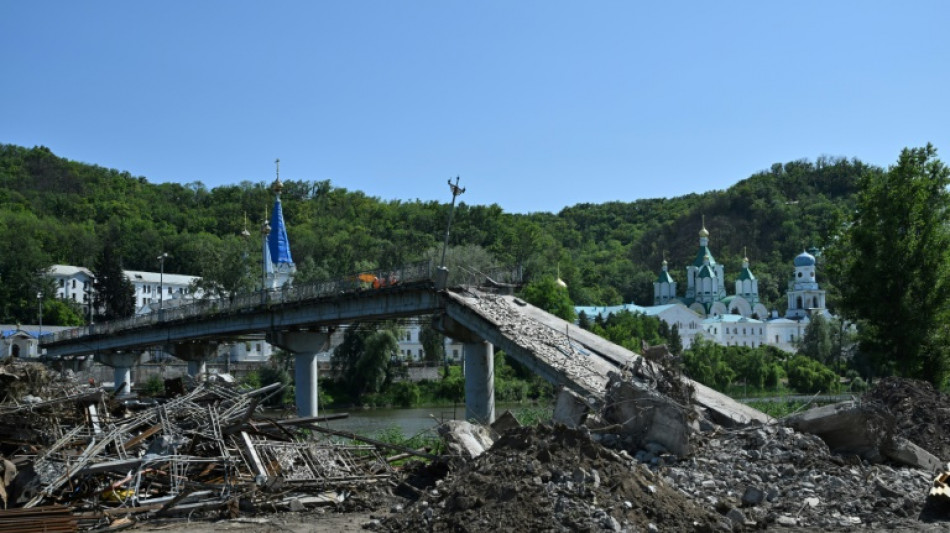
[197,354]
[121,363]
[305,345]
[479,357]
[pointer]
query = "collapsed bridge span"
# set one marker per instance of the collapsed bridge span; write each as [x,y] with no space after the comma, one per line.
[559,351]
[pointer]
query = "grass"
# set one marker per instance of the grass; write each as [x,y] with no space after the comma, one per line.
[779,409]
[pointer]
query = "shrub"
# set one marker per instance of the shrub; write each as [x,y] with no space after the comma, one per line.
[155,386]
[808,376]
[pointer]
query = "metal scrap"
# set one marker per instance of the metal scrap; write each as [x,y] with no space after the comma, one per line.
[77,458]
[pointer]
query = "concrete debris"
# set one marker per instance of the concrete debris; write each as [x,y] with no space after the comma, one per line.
[465,439]
[504,423]
[647,418]
[864,429]
[570,409]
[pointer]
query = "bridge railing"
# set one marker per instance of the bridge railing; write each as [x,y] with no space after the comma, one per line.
[368,279]
[421,271]
[502,275]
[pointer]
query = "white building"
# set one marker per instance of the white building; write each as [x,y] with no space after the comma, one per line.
[731,320]
[73,283]
[154,289]
[411,349]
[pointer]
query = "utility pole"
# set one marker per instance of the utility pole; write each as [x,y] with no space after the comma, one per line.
[443,272]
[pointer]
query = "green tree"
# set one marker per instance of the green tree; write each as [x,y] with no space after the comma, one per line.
[62,312]
[226,267]
[433,343]
[809,376]
[362,360]
[892,266]
[583,321]
[675,341]
[548,295]
[115,294]
[705,362]
[817,340]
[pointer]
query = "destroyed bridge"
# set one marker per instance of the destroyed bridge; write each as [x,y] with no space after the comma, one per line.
[301,318]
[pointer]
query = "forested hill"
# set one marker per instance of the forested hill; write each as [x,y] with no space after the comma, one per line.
[53,210]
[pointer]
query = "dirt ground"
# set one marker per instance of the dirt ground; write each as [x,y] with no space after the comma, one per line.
[921,413]
[286,523]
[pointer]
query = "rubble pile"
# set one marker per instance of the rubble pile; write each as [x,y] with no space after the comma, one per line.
[551,478]
[921,413]
[771,476]
[200,454]
[627,465]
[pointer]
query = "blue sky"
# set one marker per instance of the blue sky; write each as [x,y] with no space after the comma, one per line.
[537,105]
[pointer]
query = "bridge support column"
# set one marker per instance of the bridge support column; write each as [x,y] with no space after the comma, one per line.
[479,370]
[197,353]
[121,363]
[480,382]
[305,346]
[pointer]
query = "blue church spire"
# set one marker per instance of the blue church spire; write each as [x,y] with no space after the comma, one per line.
[280,264]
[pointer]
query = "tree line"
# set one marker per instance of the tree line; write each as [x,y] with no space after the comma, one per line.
[884,230]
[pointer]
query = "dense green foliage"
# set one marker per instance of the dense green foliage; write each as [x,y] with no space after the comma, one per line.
[755,369]
[364,360]
[545,293]
[807,375]
[631,330]
[893,265]
[57,211]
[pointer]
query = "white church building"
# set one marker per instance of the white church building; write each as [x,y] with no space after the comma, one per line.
[739,319]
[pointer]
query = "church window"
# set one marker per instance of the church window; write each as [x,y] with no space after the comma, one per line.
[776,339]
[74,284]
[799,274]
[815,301]
[743,331]
[798,302]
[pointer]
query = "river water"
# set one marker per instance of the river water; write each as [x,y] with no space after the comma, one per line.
[412,421]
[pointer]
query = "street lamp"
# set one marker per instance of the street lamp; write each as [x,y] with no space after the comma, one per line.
[89,301]
[456,190]
[265,231]
[39,299]
[161,284]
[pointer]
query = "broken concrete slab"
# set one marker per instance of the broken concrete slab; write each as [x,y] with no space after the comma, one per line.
[905,452]
[848,428]
[865,430]
[465,439]
[724,410]
[505,422]
[647,417]
[570,409]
